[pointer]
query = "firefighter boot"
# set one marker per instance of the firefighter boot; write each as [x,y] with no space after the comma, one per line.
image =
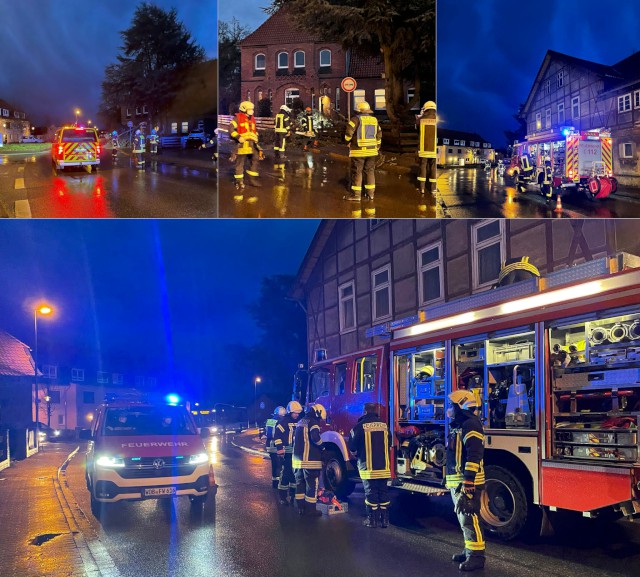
[300,504]
[274,483]
[472,563]
[459,557]
[371,520]
[239,184]
[311,511]
[283,497]
[422,187]
[384,518]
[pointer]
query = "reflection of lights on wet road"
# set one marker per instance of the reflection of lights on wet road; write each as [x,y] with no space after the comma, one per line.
[214,449]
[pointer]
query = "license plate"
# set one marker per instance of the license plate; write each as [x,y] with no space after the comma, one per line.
[159,491]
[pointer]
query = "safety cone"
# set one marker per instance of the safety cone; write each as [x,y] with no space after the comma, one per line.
[558,207]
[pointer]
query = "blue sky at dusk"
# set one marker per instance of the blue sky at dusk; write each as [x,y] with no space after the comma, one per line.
[489,52]
[54,52]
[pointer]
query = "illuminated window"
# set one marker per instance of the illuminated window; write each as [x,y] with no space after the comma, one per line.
[128,112]
[337,99]
[445,141]
[380,102]
[77,375]
[260,62]
[347,306]
[138,111]
[575,107]
[624,103]
[381,289]
[298,59]
[144,110]
[325,58]
[462,142]
[174,128]
[547,118]
[561,113]
[488,252]
[185,127]
[283,60]
[358,96]
[5,112]
[538,120]
[430,277]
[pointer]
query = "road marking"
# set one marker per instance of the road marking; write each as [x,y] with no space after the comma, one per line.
[19,183]
[21,169]
[22,209]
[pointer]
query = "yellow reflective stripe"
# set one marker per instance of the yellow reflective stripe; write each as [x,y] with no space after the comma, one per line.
[458,453]
[469,466]
[475,434]
[375,474]
[352,124]
[251,173]
[356,153]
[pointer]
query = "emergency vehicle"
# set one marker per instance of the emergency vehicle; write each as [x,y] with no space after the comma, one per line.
[564,162]
[75,146]
[555,364]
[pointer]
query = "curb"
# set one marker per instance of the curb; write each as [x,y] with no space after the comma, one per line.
[251,451]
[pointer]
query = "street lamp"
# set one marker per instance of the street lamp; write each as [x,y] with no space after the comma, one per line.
[44,310]
[255,405]
[77,114]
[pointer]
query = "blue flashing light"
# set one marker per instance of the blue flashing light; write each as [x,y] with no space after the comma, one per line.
[136,458]
[566,132]
[172,399]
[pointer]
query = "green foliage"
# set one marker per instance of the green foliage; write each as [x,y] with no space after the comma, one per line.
[263,108]
[230,34]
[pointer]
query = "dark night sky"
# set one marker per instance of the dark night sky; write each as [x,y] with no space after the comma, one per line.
[54,52]
[130,292]
[489,52]
[249,13]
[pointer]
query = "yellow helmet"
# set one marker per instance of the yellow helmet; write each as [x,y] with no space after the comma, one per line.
[320,411]
[363,106]
[246,107]
[294,407]
[464,399]
[429,105]
[425,372]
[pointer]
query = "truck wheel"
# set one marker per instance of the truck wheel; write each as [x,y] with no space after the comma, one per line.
[335,476]
[504,506]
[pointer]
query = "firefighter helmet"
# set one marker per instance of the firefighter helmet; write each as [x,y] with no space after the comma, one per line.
[246,107]
[307,109]
[320,411]
[429,105]
[294,407]
[285,108]
[138,133]
[153,131]
[114,133]
[464,399]
[279,411]
[425,372]
[363,106]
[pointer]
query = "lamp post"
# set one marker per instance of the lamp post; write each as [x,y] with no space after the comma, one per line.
[255,397]
[43,310]
[77,114]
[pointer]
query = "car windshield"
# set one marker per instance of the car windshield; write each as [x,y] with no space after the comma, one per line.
[79,136]
[150,420]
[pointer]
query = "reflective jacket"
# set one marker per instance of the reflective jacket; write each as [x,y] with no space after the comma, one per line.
[370,441]
[427,131]
[307,444]
[138,143]
[243,126]
[283,123]
[465,451]
[153,138]
[284,433]
[269,428]
[307,124]
[363,135]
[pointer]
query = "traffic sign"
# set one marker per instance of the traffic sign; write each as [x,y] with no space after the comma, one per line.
[348,84]
[129,124]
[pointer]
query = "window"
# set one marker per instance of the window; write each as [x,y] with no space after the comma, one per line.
[340,378]
[624,103]
[185,127]
[456,143]
[89,398]
[319,384]
[358,96]
[174,128]
[560,79]
[636,99]
[138,111]
[283,60]
[128,112]
[430,277]
[347,304]
[575,107]
[260,62]
[381,283]
[462,142]
[103,377]
[259,95]
[365,374]
[298,59]
[547,118]
[450,151]
[290,95]
[270,95]
[77,375]
[16,114]
[488,252]
[325,58]
[626,150]
[538,120]
[561,113]
[49,371]
[445,141]
[145,110]
[337,99]
[60,419]
[54,397]
[117,378]
[379,98]
[5,112]
[546,87]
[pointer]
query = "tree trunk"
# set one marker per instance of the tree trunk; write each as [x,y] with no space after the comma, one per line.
[394,89]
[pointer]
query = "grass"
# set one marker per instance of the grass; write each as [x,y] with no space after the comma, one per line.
[26,148]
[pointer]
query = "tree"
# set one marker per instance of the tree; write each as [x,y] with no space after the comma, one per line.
[518,134]
[156,54]
[403,31]
[230,34]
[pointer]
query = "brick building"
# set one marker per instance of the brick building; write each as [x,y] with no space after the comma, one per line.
[359,274]
[16,382]
[13,123]
[457,148]
[587,96]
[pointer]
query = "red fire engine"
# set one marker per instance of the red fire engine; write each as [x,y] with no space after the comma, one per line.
[566,162]
[555,362]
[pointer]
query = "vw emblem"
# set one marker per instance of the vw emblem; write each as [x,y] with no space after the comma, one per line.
[158,463]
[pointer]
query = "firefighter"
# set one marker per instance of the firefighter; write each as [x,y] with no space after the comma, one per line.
[370,441]
[283,131]
[153,140]
[427,147]
[309,129]
[245,133]
[547,177]
[283,440]
[465,475]
[307,460]
[138,148]
[364,137]
[114,144]
[272,451]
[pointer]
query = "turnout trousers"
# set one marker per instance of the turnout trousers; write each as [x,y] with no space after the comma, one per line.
[426,173]
[241,162]
[470,525]
[376,493]
[307,485]
[363,165]
[276,466]
[287,478]
[279,147]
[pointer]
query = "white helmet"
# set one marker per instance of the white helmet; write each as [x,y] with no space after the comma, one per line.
[320,411]
[138,132]
[294,407]
[285,108]
[464,399]
[279,411]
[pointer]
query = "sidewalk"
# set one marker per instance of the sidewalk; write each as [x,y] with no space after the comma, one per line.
[37,537]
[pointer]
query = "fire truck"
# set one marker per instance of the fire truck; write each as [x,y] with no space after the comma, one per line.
[555,364]
[565,162]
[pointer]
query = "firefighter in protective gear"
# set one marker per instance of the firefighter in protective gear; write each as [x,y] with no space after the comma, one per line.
[465,475]
[114,144]
[309,128]
[283,131]
[270,446]
[427,147]
[546,180]
[370,441]
[138,148]
[526,172]
[153,140]
[307,460]
[364,137]
[245,133]
[283,440]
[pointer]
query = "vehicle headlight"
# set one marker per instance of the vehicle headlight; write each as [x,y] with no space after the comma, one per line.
[214,429]
[56,433]
[107,461]
[198,459]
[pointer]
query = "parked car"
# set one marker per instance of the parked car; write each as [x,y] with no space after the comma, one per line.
[53,435]
[196,138]
[30,138]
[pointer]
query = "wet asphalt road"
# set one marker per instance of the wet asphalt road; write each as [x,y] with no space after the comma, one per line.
[246,534]
[30,187]
[472,192]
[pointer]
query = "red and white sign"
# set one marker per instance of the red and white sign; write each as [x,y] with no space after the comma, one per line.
[348,84]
